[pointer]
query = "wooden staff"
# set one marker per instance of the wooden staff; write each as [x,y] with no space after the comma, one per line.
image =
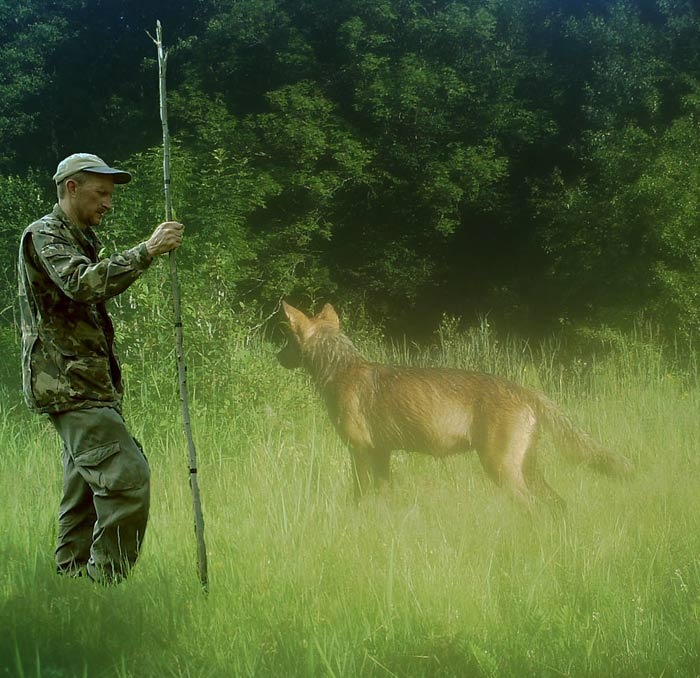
[179,350]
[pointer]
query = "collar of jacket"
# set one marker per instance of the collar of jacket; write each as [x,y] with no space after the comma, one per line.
[87,238]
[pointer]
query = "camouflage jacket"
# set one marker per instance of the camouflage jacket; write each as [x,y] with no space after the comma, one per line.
[68,359]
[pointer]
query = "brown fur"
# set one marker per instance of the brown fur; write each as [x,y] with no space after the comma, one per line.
[377,409]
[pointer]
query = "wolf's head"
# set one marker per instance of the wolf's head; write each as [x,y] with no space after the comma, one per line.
[301,331]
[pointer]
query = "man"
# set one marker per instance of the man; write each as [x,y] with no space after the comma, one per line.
[71,373]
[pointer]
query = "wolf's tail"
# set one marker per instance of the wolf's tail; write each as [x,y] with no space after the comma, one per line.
[578,445]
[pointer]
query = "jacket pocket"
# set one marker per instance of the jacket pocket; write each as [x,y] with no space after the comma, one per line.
[41,377]
[110,467]
[29,343]
[88,377]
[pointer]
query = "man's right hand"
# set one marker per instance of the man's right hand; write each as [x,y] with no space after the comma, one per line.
[167,237]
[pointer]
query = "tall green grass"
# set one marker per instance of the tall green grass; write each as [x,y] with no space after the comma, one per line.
[442,576]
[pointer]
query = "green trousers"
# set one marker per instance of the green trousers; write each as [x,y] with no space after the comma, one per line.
[106,495]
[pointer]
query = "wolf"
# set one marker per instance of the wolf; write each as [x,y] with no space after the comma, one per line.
[377,409]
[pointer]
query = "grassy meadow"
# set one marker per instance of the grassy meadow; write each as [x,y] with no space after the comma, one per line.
[442,576]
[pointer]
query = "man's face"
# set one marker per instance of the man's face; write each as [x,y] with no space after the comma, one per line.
[92,198]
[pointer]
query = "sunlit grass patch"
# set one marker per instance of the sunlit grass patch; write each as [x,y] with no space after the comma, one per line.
[440,576]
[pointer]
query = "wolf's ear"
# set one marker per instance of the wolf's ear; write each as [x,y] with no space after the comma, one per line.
[297,320]
[329,315]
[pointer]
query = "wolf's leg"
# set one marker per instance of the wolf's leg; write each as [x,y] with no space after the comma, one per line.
[506,475]
[512,479]
[538,485]
[370,468]
[381,467]
[361,471]
[504,450]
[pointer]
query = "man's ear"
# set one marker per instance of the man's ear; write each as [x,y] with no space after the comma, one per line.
[71,185]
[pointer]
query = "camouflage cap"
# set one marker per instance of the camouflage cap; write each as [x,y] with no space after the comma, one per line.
[86,162]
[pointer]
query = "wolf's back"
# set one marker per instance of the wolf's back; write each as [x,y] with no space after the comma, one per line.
[578,445]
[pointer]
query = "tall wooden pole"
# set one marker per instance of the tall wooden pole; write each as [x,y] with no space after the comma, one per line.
[179,344]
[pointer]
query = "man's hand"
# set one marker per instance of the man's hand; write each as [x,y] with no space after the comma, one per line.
[167,237]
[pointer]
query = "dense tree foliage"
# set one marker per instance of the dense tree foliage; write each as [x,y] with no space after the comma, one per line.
[531,159]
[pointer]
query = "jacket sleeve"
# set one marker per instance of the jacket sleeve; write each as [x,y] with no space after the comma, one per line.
[77,276]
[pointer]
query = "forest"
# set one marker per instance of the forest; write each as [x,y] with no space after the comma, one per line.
[533,162]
